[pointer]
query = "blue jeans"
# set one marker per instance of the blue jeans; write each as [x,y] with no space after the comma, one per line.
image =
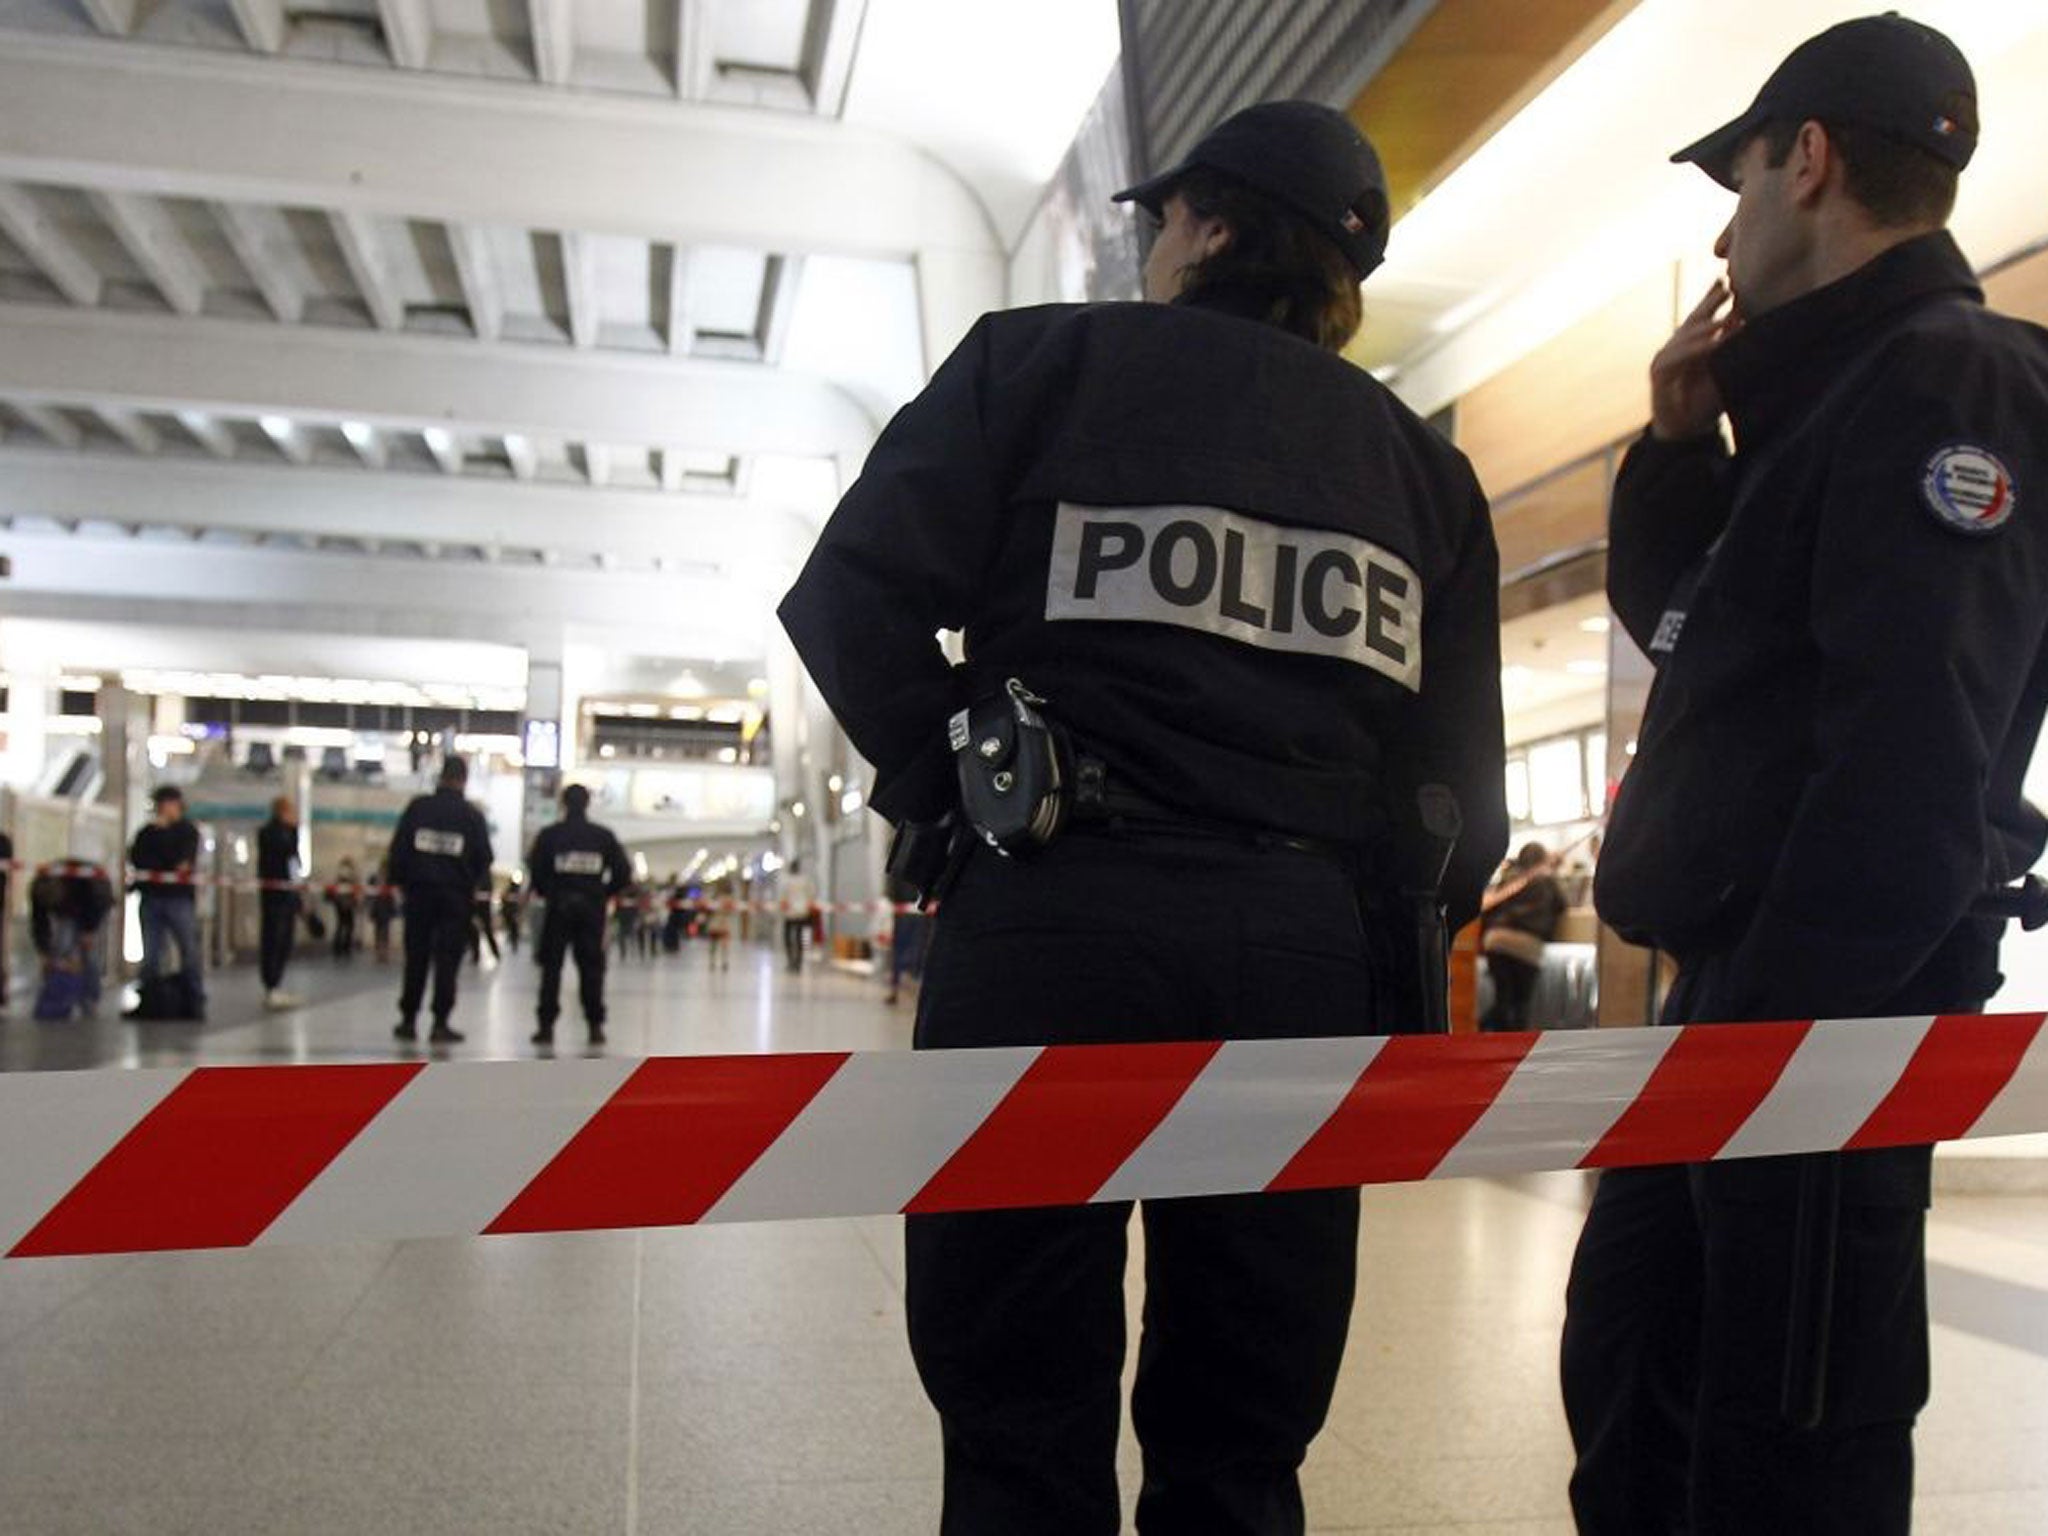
[69,945]
[175,918]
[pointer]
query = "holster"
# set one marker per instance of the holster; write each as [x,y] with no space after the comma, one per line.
[926,855]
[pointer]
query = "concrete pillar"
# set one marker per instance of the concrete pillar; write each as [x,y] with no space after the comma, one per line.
[125,718]
[545,693]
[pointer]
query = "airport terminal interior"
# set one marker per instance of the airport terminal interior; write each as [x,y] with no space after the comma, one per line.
[385,381]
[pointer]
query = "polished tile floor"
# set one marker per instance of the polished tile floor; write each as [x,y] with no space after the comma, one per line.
[746,1380]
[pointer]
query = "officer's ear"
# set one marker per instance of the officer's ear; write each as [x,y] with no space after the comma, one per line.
[1812,164]
[1211,233]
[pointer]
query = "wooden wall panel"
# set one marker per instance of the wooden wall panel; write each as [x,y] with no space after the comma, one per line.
[1468,68]
[1578,392]
[1560,514]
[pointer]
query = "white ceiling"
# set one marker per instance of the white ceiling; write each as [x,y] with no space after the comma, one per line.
[994,89]
[308,209]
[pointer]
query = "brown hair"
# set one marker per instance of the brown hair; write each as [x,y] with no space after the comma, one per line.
[1309,287]
[1897,183]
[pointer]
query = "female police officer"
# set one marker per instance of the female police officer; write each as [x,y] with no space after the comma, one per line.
[1259,598]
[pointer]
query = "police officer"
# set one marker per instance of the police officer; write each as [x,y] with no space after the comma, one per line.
[577,867]
[440,855]
[1260,597]
[1846,615]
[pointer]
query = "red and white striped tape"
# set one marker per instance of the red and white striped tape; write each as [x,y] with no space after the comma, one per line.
[211,1157]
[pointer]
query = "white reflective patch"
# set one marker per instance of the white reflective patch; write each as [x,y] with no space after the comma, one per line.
[427,840]
[1669,628]
[580,863]
[1302,590]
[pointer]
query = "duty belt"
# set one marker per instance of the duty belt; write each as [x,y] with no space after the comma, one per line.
[1101,800]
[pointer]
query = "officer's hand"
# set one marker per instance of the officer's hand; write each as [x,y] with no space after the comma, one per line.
[1684,400]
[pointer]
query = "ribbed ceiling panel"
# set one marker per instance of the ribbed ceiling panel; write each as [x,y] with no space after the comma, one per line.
[1192,63]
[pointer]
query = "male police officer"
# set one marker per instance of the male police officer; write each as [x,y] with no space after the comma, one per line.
[1847,619]
[440,856]
[1261,596]
[577,867]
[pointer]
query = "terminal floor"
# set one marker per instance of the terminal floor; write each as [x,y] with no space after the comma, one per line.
[746,1380]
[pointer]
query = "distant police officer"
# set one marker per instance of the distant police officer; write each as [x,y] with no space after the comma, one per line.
[1260,598]
[1847,619]
[440,856]
[577,867]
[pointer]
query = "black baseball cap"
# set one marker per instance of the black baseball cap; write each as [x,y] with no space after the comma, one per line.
[1887,73]
[576,798]
[1305,156]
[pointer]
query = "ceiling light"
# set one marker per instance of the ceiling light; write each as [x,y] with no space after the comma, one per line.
[1598,624]
[358,434]
[439,439]
[1586,668]
[276,426]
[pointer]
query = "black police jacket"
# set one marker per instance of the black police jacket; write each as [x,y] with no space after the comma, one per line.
[574,861]
[164,850]
[1847,618]
[1242,573]
[441,842]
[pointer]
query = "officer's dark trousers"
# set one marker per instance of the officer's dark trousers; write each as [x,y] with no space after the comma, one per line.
[277,913]
[1017,1317]
[1674,1344]
[578,930]
[437,932]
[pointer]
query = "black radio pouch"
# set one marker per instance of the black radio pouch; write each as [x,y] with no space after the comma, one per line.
[1013,765]
[924,855]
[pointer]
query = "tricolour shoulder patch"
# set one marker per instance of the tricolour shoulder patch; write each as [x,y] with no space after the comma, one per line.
[1969,489]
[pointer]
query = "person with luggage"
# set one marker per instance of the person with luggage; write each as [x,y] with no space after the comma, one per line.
[165,855]
[577,867]
[68,907]
[440,857]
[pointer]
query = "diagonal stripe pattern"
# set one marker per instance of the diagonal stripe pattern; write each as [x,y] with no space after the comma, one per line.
[133,1161]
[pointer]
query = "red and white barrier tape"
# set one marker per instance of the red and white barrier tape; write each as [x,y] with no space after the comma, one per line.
[211,1157]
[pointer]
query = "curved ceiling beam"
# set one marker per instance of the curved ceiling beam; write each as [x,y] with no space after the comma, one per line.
[573,523]
[137,117]
[249,368]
